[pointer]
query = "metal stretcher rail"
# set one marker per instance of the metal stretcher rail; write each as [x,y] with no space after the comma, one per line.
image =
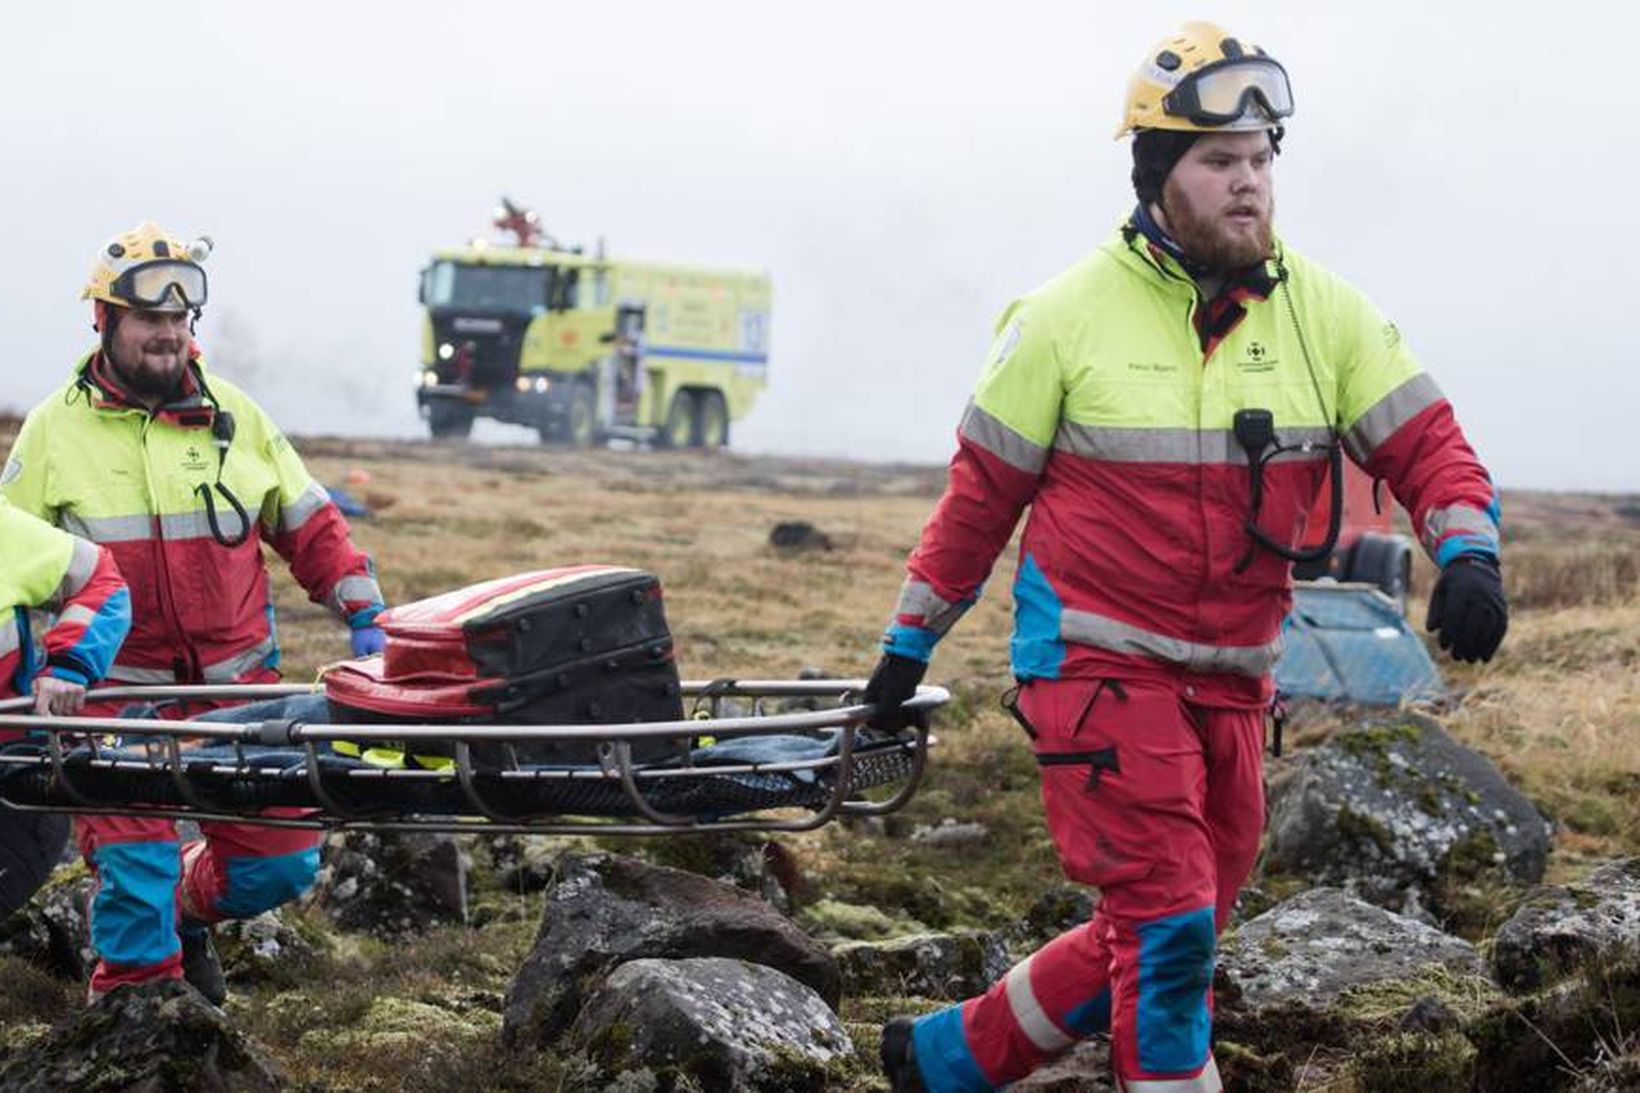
[218,770]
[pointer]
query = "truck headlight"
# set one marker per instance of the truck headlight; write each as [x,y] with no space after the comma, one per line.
[446,351]
[541,385]
[427,378]
[522,383]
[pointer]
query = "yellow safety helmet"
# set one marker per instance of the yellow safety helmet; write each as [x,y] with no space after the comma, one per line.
[149,268]
[1205,80]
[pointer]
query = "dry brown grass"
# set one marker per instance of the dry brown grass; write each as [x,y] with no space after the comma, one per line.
[1559,711]
[737,606]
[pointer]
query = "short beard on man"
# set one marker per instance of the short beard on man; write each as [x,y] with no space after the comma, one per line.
[144,381]
[1207,242]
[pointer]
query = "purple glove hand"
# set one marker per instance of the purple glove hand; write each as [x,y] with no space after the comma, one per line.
[368,641]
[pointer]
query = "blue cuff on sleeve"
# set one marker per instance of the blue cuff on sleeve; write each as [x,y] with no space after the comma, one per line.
[63,672]
[1459,545]
[365,616]
[910,641]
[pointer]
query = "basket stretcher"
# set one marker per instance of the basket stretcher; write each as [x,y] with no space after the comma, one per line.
[763,764]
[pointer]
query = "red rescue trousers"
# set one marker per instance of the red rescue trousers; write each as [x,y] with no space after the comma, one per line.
[1159,803]
[150,886]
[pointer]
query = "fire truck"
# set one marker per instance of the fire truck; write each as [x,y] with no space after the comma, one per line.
[583,347]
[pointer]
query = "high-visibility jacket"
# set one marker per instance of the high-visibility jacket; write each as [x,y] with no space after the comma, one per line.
[1107,407]
[94,462]
[63,607]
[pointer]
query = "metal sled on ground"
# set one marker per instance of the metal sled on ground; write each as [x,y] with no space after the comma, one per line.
[748,759]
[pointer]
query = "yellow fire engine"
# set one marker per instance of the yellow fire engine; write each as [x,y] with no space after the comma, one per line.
[584,347]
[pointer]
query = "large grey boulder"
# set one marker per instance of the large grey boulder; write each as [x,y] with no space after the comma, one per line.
[155,1038]
[951,966]
[389,884]
[1405,817]
[605,910]
[1557,930]
[723,1024]
[1316,946]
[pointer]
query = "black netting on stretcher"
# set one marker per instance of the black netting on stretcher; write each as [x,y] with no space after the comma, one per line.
[748,771]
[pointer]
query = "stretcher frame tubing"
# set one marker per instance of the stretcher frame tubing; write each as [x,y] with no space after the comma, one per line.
[615,758]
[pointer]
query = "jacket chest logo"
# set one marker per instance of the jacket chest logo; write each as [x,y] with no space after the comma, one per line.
[193,460]
[1256,359]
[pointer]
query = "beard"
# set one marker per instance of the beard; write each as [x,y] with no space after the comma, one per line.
[1210,241]
[148,380]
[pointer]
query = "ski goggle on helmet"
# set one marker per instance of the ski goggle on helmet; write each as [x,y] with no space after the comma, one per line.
[150,269]
[1204,79]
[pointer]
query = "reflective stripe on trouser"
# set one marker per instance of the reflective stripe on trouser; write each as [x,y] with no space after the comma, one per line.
[147,884]
[1166,822]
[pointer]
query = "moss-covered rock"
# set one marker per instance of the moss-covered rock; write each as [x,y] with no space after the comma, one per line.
[834,920]
[1405,1061]
[400,1025]
[1402,815]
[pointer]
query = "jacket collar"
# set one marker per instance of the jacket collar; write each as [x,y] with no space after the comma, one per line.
[1147,248]
[192,406]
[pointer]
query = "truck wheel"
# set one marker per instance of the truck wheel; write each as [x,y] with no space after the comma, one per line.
[679,430]
[711,420]
[1385,561]
[447,421]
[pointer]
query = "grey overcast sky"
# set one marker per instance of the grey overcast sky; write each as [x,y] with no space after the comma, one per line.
[901,169]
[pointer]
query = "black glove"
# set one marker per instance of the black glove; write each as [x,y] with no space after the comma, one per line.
[894,681]
[1468,608]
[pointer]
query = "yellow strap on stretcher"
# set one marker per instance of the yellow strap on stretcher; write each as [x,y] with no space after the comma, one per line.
[391,758]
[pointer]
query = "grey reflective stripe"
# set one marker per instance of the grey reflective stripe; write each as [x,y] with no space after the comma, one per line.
[299,511]
[8,634]
[224,671]
[919,600]
[77,613]
[176,527]
[108,529]
[1001,441]
[1034,1022]
[181,526]
[1122,444]
[1440,523]
[357,589]
[1391,412]
[1208,1081]
[124,673]
[82,562]
[1087,628]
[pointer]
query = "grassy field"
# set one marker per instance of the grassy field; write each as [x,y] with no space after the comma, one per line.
[1559,709]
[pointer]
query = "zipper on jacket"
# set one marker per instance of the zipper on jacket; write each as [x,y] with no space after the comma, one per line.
[186,655]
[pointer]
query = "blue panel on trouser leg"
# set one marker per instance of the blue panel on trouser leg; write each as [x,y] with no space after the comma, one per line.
[942,1054]
[261,884]
[134,914]
[1036,649]
[1092,1016]
[1175,974]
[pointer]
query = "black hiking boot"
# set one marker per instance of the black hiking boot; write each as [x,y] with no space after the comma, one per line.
[201,968]
[899,1056]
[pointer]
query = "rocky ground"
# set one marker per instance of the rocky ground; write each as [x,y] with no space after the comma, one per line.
[1448,900]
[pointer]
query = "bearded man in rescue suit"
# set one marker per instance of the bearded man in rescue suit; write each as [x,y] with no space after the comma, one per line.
[1123,403]
[182,478]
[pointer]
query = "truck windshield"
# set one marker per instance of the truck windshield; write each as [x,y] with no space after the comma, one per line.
[517,289]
